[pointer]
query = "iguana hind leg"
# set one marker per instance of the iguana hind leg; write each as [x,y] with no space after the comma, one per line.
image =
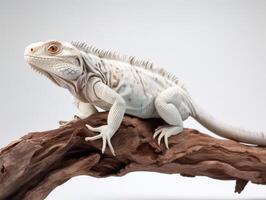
[63,123]
[171,109]
[85,109]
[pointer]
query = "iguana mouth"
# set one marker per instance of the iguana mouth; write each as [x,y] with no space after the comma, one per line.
[37,57]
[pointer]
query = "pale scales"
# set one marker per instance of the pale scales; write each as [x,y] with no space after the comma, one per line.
[67,64]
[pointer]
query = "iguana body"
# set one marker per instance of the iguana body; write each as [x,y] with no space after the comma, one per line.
[123,84]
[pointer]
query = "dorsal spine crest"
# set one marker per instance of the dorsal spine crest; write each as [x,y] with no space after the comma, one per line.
[132,60]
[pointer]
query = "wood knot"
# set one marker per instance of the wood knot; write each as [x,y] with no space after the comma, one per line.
[3,169]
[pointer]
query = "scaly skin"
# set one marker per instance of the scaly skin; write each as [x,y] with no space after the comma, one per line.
[123,84]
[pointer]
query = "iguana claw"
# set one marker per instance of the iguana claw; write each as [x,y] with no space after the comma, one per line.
[106,133]
[165,132]
[68,123]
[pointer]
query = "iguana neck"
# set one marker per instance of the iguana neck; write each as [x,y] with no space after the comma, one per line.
[76,87]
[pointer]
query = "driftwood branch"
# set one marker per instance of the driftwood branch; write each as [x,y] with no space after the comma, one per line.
[33,166]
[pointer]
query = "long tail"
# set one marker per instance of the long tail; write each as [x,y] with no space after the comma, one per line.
[228,131]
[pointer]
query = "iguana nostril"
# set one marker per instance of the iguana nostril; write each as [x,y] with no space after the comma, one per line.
[31,49]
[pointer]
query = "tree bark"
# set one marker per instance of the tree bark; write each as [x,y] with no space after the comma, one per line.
[31,167]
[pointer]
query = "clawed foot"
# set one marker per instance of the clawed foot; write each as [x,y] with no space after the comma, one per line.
[165,132]
[105,132]
[69,123]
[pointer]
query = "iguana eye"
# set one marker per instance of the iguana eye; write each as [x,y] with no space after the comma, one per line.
[53,48]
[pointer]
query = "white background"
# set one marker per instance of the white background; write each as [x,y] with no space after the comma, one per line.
[216,47]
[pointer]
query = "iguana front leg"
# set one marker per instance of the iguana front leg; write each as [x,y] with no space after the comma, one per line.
[115,116]
[85,109]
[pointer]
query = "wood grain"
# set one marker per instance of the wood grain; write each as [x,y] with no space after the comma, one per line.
[34,165]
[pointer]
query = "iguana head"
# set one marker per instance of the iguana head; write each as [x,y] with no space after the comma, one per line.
[56,60]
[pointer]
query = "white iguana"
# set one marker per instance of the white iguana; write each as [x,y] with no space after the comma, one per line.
[124,84]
